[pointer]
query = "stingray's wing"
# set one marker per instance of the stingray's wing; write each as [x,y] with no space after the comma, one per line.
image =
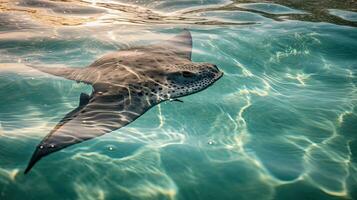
[96,115]
[181,45]
[78,74]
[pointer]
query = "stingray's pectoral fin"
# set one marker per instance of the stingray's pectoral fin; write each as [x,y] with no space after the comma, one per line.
[96,115]
[61,136]
[76,74]
[37,155]
[181,44]
[83,99]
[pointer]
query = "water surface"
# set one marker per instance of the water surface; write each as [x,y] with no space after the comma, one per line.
[280,124]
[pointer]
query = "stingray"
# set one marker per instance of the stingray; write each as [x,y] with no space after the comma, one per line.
[126,84]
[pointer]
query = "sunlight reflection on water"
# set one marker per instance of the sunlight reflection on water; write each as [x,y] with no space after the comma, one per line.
[280,124]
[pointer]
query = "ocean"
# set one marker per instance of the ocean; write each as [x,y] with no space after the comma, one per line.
[280,124]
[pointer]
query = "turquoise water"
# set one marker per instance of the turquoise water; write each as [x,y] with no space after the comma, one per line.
[280,124]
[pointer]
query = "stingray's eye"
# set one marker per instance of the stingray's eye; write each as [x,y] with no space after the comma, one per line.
[187,74]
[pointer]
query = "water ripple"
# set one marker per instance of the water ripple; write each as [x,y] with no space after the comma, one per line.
[280,124]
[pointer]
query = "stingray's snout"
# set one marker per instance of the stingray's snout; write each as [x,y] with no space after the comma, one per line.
[217,73]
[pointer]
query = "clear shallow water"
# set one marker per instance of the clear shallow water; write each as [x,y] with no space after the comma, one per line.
[281,123]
